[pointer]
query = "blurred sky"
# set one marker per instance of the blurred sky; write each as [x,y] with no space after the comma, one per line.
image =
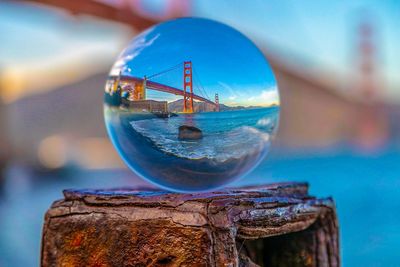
[44,47]
[323,34]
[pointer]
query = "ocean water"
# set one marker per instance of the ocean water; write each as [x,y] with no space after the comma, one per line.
[226,135]
[365,187]
[233,143]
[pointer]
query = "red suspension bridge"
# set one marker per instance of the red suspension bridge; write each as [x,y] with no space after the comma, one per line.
[139,86]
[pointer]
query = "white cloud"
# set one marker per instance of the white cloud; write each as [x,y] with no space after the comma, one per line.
[139,44]
[265,97]
[228,88]
[270,95]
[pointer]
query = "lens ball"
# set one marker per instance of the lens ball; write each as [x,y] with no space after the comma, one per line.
[191,105]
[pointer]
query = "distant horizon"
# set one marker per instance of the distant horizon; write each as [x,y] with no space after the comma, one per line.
[231,106]
[176,97]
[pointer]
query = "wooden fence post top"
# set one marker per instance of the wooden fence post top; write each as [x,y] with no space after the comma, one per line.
[210,224]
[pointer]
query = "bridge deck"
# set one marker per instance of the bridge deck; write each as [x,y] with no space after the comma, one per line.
[162,88]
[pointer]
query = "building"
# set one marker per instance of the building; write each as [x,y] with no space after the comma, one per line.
[153,106]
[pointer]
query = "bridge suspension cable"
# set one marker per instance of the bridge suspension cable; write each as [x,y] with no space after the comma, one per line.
[200,85]
[141,84]
[200,92]
[164,71]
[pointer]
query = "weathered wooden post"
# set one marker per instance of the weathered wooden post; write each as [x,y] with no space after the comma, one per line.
[272,225]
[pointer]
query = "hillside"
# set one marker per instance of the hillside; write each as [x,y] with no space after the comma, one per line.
[177,106]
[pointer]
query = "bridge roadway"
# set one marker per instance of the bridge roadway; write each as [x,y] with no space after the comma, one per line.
[161,87]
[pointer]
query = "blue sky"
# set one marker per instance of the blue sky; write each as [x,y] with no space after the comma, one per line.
[321,33]
[224,61]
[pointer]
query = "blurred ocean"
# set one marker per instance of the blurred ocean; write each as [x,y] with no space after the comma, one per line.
[366,190]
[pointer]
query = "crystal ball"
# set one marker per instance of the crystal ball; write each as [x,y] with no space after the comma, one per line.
[191,104]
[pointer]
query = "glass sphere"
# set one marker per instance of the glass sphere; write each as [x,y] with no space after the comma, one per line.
[191,104]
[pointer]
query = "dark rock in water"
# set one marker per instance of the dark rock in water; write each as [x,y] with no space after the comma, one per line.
[187,132]
[165,115]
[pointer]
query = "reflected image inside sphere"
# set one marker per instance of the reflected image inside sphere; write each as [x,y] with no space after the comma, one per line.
[191,104]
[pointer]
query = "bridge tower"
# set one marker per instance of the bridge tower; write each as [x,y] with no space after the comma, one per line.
[139,90]
[373,124]
[187,87]
[117,82]
[216,102]
[367,82]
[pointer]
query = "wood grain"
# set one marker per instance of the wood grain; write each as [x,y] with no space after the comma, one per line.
[271,225]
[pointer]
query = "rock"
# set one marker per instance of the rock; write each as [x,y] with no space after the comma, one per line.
[187,132]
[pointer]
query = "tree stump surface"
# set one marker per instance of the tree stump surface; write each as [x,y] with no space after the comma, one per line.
[271,225]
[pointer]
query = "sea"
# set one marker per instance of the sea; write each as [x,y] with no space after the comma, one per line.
[226,135]
[232,143]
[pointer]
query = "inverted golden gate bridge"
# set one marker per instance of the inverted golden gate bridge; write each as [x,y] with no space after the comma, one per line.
[139,85]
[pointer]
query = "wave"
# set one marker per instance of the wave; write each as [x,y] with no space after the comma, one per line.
[217,146]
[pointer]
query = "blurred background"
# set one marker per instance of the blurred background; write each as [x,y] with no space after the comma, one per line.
[337,65]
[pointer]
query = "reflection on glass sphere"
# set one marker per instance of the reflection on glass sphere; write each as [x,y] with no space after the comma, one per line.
[191,105]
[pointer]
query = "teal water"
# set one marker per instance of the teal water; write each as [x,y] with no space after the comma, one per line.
[366,189]
[226,135]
